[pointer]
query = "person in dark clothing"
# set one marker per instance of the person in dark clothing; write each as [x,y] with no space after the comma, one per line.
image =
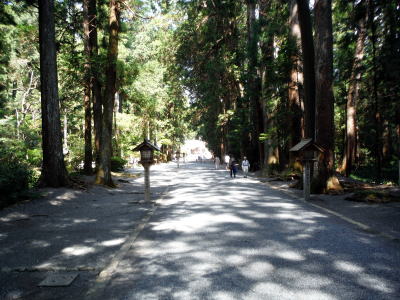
[233,167]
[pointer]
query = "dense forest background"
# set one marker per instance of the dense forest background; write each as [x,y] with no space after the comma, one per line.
[250,77]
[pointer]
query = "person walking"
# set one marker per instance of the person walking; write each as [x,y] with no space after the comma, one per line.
[227,161]
[245,166]
[217,162]
[233,167]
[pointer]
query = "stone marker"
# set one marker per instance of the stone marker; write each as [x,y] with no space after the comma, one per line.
[58,279]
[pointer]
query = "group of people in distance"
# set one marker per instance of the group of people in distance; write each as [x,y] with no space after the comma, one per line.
[232,165]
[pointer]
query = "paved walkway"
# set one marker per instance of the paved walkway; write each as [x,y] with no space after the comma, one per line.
[381,219]
[207,237]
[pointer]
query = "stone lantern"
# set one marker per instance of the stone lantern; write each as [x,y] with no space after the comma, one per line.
[146,159]
[307,151]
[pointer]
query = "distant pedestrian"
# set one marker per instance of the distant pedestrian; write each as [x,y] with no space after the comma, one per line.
[227,161]
[217,162]
[233,167]
[245,166]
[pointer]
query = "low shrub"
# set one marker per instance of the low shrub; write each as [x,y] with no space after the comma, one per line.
[117,163]
[16,178]
[34,157]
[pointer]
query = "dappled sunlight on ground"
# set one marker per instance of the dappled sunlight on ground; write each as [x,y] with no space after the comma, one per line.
[211,237]
[220,238]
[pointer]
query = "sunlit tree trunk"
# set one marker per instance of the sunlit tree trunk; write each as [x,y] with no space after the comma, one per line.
[324,92]
[296,77]
[94,81]
[307,48]
[350,153]
[103,174]
[54,172]
[87,166]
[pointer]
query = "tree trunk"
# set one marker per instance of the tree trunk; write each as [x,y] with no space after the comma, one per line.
[103,175]
[324,92]
[253,87]
[295,79]
[266,59]
[94,81]
[352,98]
[54,172]
[307,48]
[87,166]
[376,104]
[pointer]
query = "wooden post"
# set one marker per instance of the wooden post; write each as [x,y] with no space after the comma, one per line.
[306,180]
[315,169]
[146,182]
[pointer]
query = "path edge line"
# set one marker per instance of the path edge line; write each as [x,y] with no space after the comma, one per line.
[105,275]
[360,225]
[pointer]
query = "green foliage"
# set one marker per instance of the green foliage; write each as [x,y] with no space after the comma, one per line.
[369,173]
[117,163]
[208,61]
[34,157]
[16,176]
[75,156]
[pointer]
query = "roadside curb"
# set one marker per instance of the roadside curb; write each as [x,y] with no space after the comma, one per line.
[358,224]
[105,275]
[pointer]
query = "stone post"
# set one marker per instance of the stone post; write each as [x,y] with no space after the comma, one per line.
[306,180]
[146,182]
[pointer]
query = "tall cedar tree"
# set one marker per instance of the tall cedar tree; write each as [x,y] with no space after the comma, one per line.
[253,85]
[353,94]
[94,81]
[266,60]
[87,167]
[375,97]
[324,88]
[295,77]
[307,48]
[54,172]
[103,174]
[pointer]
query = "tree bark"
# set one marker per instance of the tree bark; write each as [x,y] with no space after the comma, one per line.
[266,59]
[296,77]
[324,90]
[94,81]
[376,102]
[103,174]
[253,86]
[352,99]
[87,165]
[54,172]
[307,47]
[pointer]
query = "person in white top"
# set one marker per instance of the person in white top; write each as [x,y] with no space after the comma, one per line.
[227,161]
[217,162]
[245,166]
